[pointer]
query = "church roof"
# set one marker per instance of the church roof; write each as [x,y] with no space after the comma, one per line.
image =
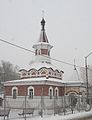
[39,65]
[43,37]
[42,80]
[35,81]
[75,76]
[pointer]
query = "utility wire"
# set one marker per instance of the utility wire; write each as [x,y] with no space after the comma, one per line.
[15,45]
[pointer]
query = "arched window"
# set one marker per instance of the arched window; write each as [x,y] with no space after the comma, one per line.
[31,92]
[56,92]
[14,92]
[50,92]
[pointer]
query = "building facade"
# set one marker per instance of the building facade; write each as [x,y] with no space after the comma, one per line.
[41,86]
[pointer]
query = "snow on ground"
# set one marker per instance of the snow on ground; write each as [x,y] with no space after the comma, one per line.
[14,116]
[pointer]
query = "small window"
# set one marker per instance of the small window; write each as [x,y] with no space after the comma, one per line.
[56,92]
[31,93]
[14,94]
[51,92]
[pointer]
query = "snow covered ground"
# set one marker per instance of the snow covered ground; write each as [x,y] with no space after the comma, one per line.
[78,115]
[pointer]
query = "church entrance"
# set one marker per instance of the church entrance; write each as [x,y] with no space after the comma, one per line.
[72,99]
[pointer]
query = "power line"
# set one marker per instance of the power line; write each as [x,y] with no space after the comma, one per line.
[15,45]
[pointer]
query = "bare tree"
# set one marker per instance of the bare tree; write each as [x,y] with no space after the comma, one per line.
[8,71]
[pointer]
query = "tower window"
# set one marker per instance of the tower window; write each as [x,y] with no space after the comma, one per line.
[44,51]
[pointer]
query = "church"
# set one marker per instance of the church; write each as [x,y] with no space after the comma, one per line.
[43,83]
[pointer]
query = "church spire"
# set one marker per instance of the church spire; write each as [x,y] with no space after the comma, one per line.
[43,36]
[43,24]
[74,65]
[42,48]
[43,21]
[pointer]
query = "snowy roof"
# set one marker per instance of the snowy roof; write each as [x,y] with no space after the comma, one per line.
[35,81]
[75,77]
[38,65]
[42,80]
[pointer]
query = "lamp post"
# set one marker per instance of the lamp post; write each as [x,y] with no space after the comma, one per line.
[86,70]
[3,72]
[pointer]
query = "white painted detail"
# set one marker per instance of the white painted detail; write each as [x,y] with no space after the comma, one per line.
[51,89]
[30,88]
[56,91]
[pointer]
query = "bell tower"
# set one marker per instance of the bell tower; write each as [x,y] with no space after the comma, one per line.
[42,48]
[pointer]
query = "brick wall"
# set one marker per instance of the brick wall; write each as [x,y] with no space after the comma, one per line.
[37,90]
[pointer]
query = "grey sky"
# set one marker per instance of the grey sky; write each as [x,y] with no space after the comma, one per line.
[68,27]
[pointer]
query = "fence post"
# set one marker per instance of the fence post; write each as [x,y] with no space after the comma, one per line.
[4,104]
[25,105]
[64,104]
[42,102]
[54,104]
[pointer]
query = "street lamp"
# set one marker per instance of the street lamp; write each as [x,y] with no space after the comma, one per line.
[86,70]
[3,72]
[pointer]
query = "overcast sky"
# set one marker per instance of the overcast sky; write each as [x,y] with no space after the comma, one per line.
[68,27]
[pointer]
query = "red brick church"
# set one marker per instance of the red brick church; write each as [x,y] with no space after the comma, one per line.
[42,80]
